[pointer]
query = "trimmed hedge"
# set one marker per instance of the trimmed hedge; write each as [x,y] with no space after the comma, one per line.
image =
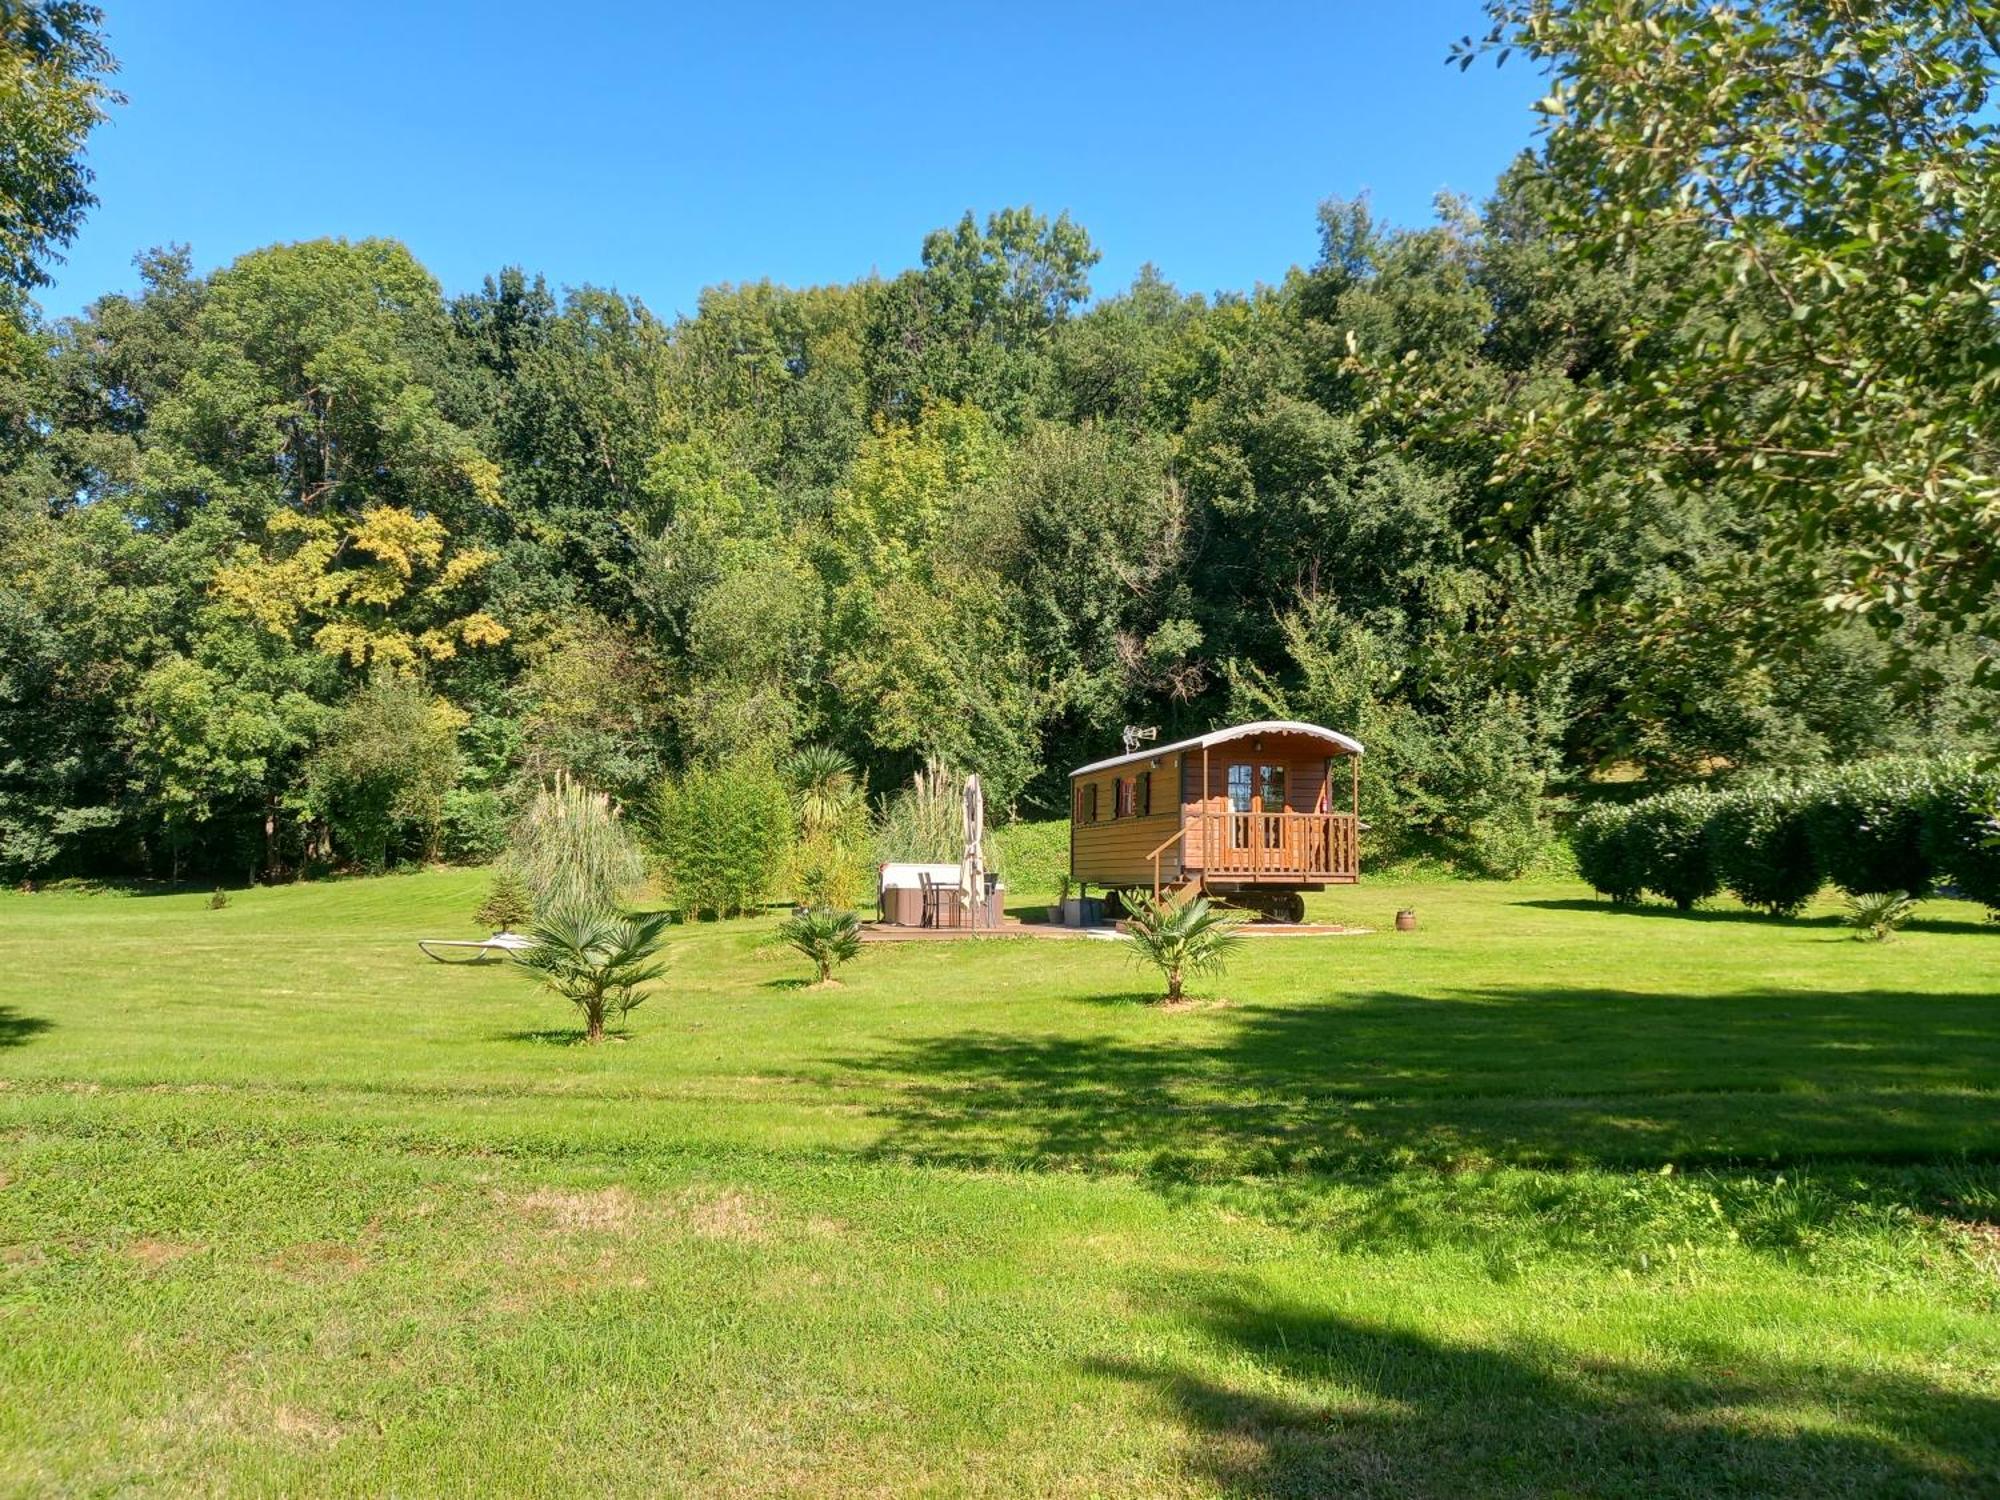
[1607,855]
[1962,831]
[1762,847]
[1669,834]
[1867,826]
[1886,825]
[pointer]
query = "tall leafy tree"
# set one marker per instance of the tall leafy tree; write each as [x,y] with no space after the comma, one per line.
[54,90]
[1830,350]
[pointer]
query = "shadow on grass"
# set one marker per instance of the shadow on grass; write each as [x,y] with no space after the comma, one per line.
[789,983]
[1757,918]
[1336,1406]
[557,1036]
[17,1030]
[1528,1076]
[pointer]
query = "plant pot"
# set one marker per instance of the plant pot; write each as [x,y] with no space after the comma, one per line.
[1406,920]
[1056,915]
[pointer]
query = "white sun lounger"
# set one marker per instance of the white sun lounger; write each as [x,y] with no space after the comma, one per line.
[501,943]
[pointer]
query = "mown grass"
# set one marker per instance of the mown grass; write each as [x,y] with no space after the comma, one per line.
[1542,1198]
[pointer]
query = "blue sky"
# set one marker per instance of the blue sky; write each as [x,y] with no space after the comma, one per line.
[662,148]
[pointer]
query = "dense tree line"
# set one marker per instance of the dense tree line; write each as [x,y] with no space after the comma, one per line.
[303,562]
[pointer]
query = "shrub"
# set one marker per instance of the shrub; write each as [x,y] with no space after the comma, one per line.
[1961,831]
[1670,839]
[381,773]
[572,850]
[219,900]
[1867,824]
[1762,849]
[597,960]
[1607,856]
[475,825]
[1033,857]
[830,808]
[507,907]
[722,836]
[825,937]
[1180,938]
[1876,915]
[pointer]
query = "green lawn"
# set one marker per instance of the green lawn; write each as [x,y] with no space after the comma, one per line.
[1542,1198]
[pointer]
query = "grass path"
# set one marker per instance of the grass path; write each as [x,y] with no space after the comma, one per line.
[1539,1199]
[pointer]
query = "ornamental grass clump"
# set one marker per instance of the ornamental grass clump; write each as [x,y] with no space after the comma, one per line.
[925,821]
[1180,938]
[572,851]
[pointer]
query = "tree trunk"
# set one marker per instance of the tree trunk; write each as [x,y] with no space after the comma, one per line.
[1174,980]
[594,1022]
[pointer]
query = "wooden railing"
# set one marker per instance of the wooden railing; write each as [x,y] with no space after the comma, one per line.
[1277,845]
[1165,844]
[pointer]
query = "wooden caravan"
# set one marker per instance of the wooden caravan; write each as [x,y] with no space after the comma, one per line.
[1259,812]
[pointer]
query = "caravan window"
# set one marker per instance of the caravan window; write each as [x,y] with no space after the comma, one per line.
[1122,802]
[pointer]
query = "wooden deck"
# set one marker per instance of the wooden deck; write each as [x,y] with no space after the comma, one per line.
[1276,846]
[1012,927]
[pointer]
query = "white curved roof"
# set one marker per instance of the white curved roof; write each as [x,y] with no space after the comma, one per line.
[1347,743]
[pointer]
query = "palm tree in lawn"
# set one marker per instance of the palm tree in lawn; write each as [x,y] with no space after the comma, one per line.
[596,959]
[825,937]
[1180,938]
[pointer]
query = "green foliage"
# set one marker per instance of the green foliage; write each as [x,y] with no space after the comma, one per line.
[721,836]
[1824,348]
[1961,830]
[1876,916]
[1867,824]
[596,959]
[924,822]
[824,937]
[219,900]
[475,825]
[1608,852]
[572,850]
[507,907]
[1668,835]
[830,809]
[53,92]
[1414,491]
[1032,857]
[1180,937]
[382,772]
[1761,845]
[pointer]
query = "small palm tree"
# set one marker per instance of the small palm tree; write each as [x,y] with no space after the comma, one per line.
[825,937]
[824,786]
[1875,916]
[597,960]
[1180,938]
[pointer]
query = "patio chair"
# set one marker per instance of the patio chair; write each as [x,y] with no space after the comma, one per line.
[936,894]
